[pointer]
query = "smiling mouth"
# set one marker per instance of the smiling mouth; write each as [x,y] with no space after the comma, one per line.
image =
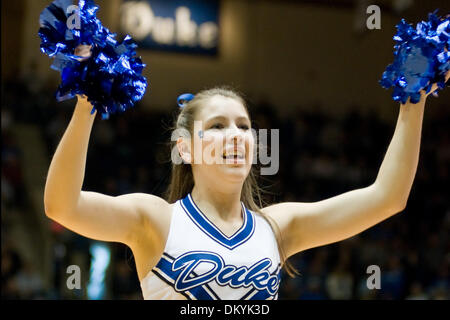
[234,156]
[235,153]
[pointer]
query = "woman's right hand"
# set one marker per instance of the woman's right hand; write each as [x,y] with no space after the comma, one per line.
[84,51]
[84,103]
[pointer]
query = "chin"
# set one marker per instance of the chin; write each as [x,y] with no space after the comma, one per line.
[235,172]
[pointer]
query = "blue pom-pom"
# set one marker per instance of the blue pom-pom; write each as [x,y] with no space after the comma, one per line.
[111,78]
[420,58]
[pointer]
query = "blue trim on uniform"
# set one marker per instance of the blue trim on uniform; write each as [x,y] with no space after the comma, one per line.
[264,294]
[171,259]
[160,276]
[239,237]
[261,295]
[247,294]
[165,266]
[204,292]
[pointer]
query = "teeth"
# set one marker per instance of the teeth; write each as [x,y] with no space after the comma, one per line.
[240,155]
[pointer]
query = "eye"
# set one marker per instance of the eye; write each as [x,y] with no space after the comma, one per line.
[216,126]
[244,127]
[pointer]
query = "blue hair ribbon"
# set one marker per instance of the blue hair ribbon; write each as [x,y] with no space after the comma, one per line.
[184,98]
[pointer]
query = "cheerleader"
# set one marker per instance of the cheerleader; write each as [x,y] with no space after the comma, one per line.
[208,238]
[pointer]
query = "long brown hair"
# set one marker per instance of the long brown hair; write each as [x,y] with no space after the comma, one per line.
[182,180]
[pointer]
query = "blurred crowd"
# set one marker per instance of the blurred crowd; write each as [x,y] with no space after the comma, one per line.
[320,155]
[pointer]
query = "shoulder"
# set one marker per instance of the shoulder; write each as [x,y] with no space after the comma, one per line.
[147,205]
[151,202]
[148,242]
[284,213]
[155,216]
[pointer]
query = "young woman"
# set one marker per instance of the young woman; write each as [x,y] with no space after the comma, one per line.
[208,239]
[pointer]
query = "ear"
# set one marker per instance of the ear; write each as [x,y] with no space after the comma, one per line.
[184,149]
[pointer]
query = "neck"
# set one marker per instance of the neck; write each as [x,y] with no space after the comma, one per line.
[213,202]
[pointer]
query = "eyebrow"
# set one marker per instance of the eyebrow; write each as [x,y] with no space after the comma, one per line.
[224,118]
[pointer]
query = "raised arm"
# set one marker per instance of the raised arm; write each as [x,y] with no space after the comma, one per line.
[308,225]
[66,173]
[123,219]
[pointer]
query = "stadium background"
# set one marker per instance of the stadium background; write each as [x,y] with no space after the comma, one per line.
[308,68]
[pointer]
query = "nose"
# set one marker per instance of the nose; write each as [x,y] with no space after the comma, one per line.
[235,135]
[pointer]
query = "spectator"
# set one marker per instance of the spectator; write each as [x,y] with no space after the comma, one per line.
[416,292]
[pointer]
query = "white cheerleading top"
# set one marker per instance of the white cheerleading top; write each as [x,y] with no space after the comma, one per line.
[200,262]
